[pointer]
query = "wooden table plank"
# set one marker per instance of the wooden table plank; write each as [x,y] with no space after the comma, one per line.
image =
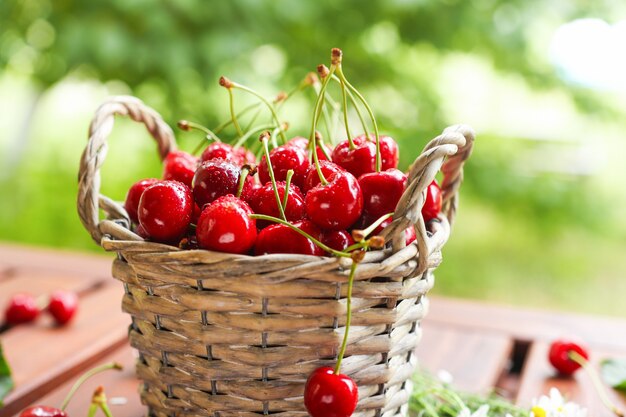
[43,356]
[538,377]
[528,325]
[475,360]
[122,385]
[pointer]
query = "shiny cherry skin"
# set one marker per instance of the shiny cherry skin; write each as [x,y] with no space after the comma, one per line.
[246,156]
[283,159]
[63,306]
[134,195]
[249,191]
[433,202]
[225,226]
[22,308]
[220,150]
[303,143]
[312,178]
[327,394]
[559,356]
[216,178]
[43,411]
[382,191]
[264,202]
[409,235]
[389,153]
[357,161]
[279,238]
[337,239]
[165,211]
[180,166]
[409,232]
[336,205]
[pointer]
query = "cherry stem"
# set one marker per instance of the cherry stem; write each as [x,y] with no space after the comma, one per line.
[320,140]
[253,119]
[287,185]
[242,113]
[344,344]
[369,111]
[319,103]
[249,134]
[99,400]
[302,232]
[595,380]
[344,103]
[356,107]
[374,225]
[233,116]
[245,170]
[86,376]
[270,171]
[266,102]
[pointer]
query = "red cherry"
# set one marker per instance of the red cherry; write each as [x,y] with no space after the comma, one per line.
[303,143]
[279,238]
[22,308]
[312,178]
[409,235]
[409,232]
[220,150]
[284,158]
[180,166]
[134,195]
[357,161]
[327,394]
[389,154]
[382,191]
[249,192]
[433,202]
[246,156]
[165,210]
[225,225]
[336,205]
[337,239]
[43,411]
[63,306]
[264,202]
[215,178]
[559,356]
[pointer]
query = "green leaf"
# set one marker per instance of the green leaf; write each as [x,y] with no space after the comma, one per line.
[6,382]
[614,373]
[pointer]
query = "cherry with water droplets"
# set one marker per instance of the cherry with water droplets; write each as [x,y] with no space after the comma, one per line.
[225,225]
[382,191]
[357,161]
[327,394]
[284,158]
[216,178]
[63,306]
[279,238]
[131,204]
[180,166]
[220,150]
[165,211]
[303,143]
[336,205]
[264,202]
[22,308]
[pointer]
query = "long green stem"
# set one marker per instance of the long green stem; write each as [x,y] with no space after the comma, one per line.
[312,141]
[302,232]
[270,171]
[245,170]
[233,116]
[253,118]
[344,344]
[250,133]
[356,107]
[287,184]
[86,376]
[266,102]
[344,103]
[377,223]
[242,113]
[369,111]
[595,380]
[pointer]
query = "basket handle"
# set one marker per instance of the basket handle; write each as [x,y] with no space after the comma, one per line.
[89,197]
[455,144]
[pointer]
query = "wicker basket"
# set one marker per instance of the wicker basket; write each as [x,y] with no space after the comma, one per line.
[233,335]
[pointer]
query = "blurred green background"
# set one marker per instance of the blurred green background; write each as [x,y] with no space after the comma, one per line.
[541,221]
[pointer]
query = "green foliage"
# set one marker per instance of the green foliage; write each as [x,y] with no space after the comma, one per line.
[6,382]
[614,373]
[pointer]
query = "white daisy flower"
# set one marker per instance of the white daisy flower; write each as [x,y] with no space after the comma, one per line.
[480,412]
[556,406]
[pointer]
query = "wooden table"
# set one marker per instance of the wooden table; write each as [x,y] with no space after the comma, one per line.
[481,345]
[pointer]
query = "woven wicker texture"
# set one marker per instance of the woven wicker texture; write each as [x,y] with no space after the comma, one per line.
[233,335]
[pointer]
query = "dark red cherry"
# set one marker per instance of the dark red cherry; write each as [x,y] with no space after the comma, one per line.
[382,191]
[357,161]
[337,239]
[165,210]
[134,195]
[327,394]
[264,202]
[180,166]
[43,411]
[409,232]
[220,150]
[225,226]
[283,159]
[389,154]
[63,306]
[337,205]
[246,156]
[215,178]
[249,191]
[312,178]
[279,238]
[22,308]
[432,204]
[559,356]
[303,143]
